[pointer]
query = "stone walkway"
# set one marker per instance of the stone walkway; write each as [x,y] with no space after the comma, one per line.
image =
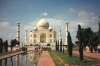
[45,59]
[89,54]
[9,55]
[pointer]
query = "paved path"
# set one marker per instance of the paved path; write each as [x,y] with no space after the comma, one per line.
[9,55]
[93,55]
[45,59]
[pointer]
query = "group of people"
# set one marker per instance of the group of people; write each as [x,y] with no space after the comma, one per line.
[93,49]
[38,46]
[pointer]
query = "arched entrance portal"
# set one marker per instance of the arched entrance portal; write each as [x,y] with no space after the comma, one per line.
[42,37]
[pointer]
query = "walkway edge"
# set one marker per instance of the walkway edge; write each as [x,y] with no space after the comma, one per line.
[9,55]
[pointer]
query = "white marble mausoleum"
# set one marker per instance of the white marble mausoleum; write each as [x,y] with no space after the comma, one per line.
[42,33]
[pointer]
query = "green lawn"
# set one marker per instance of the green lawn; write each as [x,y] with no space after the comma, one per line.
[9,52]
[72,61]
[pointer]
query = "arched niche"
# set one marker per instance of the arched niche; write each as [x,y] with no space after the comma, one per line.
[42,37]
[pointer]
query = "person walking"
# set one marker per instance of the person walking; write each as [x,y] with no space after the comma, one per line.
[98,49]
[87,49]
[91,49]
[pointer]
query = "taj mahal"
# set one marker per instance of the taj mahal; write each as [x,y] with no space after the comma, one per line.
[42,33]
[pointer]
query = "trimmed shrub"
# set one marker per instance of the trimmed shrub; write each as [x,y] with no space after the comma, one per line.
[47,48]
[23,48]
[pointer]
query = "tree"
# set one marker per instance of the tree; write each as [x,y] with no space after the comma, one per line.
[12,42]
[56,45]
[80,42]
[17,43]
[99,32]
[61,45]
[76,42]
[70,44]
[63,48]
[1,45]
[86,33]
[6,46]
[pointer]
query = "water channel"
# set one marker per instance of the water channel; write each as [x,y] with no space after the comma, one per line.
[24,59]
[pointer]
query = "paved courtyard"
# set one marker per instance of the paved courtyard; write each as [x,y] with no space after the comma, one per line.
[89,54]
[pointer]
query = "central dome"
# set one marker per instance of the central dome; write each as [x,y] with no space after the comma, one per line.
[43,23]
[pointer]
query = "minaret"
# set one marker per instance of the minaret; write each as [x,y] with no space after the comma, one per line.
[66,33]
[25,36]
[59,36]
[18,31]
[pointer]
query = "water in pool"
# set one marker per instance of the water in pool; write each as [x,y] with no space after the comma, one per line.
[26,59]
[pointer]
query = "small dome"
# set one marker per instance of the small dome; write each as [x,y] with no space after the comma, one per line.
[50,28]
[35,28]
[43,23]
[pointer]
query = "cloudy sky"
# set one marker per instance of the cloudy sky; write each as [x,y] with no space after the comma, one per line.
[57,13]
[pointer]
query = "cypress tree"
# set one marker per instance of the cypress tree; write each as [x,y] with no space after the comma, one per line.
[12,42]
[80,43]
[63,48]
[70,45]
[99,32]
[6,46]
[1,45]
[61,45]
[56,45]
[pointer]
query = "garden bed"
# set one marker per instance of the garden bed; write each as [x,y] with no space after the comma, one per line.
[61,59]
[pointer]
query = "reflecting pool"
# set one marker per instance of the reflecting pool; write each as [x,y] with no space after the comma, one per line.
[24,59]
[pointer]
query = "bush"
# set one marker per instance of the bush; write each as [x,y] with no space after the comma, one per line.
[23,48]
[48,44]
[47,48]
[17,49]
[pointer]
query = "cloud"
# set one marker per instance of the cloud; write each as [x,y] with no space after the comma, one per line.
[4,23]
[82,13]
[72,10]
[45,14]
[7,32]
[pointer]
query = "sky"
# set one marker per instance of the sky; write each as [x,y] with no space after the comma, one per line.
[56,12]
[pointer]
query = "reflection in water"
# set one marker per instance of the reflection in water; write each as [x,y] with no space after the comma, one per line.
[5,61]
[21,56]
[34,56]
[26,59]
[0,62]
[17,60]
[11,61]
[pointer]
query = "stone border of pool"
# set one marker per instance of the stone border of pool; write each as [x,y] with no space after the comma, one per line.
[9,55]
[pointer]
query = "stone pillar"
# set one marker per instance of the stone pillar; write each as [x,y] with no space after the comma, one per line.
[18,32]
[66,34]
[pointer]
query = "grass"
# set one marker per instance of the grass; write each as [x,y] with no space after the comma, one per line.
[72,61]
[9,52]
